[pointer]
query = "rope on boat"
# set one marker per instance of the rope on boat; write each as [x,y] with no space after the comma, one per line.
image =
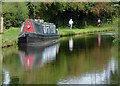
[20,35]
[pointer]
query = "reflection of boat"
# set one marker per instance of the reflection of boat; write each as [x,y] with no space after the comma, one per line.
[36,55]
[33,32]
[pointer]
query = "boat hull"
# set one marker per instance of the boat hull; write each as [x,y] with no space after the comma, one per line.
[37,39]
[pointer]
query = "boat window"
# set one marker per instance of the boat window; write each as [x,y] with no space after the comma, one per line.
[46,29]
[52,28]
[49,29]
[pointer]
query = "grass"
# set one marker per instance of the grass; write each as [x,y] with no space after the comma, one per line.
[67,31]
[9,37]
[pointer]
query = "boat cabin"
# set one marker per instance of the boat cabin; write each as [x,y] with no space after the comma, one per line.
[43,28]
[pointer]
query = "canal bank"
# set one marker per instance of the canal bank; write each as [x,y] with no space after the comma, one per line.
[10,36]
[88,32]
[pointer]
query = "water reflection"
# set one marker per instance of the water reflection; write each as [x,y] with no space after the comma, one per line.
[99,40]
[87,63]
[71,44]
[31,56]
[6,77]
[94,77]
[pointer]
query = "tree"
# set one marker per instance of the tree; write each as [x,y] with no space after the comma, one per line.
[14,13]
[83,13]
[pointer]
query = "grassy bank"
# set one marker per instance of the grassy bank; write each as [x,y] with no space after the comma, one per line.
[65,31]
[9,37]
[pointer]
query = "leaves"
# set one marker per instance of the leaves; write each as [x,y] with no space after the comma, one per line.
[16,13]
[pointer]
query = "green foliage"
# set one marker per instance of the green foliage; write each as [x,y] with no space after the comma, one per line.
[14,13]
[116,23]
[82,13]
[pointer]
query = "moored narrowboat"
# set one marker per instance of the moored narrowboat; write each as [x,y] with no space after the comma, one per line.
[34,32]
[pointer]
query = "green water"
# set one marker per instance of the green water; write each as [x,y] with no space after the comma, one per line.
[85,59]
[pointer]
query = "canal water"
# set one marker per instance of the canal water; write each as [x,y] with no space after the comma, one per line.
[86,59]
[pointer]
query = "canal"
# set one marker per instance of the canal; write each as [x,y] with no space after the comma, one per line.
[83,59]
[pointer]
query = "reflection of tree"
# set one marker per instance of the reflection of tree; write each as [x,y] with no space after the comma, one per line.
[87,56]
[86,52]
[114,77]
[14,80]
[11,61]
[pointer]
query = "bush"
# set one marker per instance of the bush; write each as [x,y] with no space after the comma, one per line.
[14,14]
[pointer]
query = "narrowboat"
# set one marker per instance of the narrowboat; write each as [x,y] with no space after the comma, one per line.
[38,33]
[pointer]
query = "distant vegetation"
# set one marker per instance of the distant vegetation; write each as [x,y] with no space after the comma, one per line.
[82,13]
